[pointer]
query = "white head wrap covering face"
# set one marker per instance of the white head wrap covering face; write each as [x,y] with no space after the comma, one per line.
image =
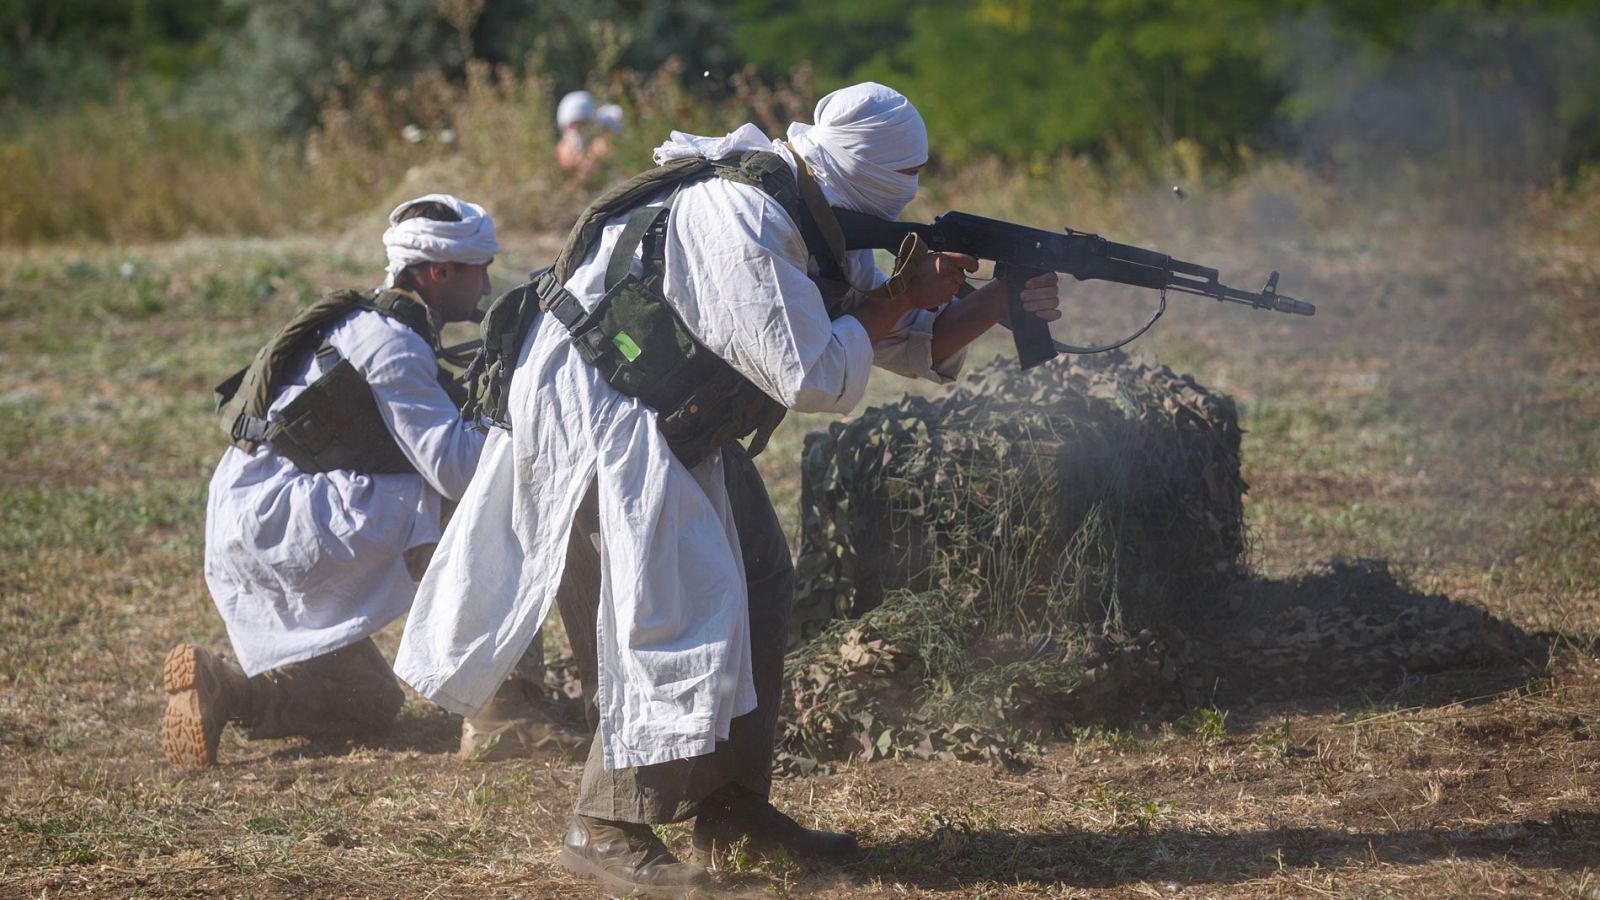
[420,239]
[577,106]
[864,134]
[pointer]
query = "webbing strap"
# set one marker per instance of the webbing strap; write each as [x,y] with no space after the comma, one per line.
[570,312]
[820,212]
[640,223]
[254,428]
[557,300]
[626,195]
[409,310]
[249,428]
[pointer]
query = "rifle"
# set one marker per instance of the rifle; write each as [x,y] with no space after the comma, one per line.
[455,362]
[1020,253]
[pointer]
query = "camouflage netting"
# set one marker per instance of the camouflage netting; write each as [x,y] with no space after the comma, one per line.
[971,553]
[970,565]
[1095,490]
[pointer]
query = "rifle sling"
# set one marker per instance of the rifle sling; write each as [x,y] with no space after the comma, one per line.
[821,214]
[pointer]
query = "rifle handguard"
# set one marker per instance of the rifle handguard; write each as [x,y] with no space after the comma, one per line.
[913,250]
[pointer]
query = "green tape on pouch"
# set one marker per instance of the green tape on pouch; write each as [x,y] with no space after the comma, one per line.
[627,346]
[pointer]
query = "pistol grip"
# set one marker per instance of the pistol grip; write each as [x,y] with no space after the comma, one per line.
[1031,333]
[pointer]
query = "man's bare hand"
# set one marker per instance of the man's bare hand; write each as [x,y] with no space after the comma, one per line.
[937,277]
[1042,296]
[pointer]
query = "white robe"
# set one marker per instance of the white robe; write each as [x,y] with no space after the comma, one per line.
[673,637]
[303,564]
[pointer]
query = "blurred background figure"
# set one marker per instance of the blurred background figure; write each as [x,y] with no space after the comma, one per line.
[575,118]
[609,118]
[585,134]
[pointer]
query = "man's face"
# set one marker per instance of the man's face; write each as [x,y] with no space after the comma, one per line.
[454,289]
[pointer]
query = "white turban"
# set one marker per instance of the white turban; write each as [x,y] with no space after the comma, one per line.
[610,116]
[864,134]
[420,239]
[577,106]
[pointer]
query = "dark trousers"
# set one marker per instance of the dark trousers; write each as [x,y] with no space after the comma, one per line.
[351,692]
[671,791]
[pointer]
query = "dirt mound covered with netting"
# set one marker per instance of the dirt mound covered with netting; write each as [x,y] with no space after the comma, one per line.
[1062,547]
[1093,490]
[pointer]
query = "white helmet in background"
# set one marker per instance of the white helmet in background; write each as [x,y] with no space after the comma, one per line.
[577,106]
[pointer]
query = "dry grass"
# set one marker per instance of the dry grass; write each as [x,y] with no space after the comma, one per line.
[132,170]
[1436,412]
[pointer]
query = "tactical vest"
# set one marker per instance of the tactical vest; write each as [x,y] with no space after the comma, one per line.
[633,336]
[334,423]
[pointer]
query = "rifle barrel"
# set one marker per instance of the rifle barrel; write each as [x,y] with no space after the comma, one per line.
[1082,255]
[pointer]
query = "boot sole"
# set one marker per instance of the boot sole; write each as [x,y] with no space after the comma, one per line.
[183,731]
[583,867]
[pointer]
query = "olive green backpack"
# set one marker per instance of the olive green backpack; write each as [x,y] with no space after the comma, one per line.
[334,423]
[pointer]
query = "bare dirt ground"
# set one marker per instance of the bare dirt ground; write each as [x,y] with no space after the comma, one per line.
[1439,412]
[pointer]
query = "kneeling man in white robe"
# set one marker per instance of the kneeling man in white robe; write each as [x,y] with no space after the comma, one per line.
[304,566]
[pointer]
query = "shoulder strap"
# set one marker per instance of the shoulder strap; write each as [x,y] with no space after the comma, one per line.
[243,399]
[647,224]
[641,222]
[797,192]
[407,309]
[820,224]
[758,168]
[614,202]
[767,171]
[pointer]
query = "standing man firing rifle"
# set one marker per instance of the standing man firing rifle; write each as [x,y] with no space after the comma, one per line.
[691,307]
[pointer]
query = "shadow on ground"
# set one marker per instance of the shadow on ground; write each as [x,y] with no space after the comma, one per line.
[1346,634]
[953,855]
[431,732]
[1350,632]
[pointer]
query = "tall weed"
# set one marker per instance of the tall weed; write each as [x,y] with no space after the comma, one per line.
[134,170]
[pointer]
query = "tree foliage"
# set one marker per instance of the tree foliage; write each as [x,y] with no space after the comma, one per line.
[53,51]
[1034,78]
[1025,79]
[288,55]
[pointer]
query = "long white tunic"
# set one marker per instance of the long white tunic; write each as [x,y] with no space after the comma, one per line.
[673,638]
[302,564]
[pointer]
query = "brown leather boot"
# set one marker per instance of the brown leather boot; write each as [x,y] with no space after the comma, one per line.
[204,693]
[628,858]
[733,813]
[534,734]
[518,725]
